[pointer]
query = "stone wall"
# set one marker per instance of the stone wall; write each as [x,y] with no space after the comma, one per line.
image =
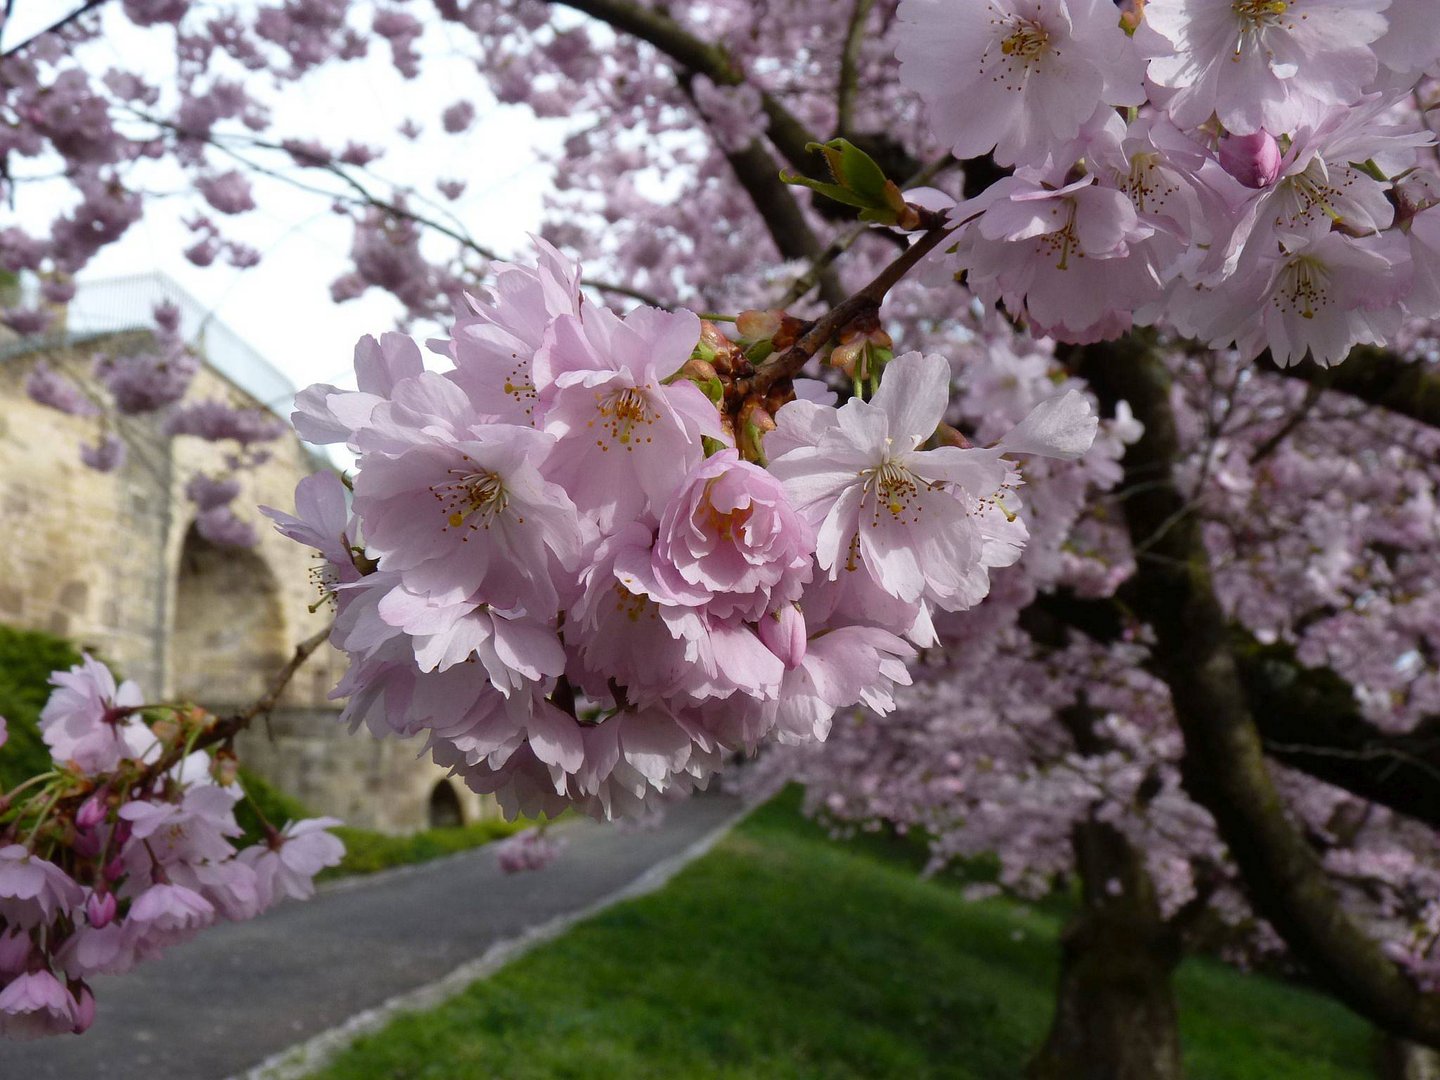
[113,563]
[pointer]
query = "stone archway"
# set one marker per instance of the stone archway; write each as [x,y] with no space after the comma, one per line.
[229,630]
[445,811]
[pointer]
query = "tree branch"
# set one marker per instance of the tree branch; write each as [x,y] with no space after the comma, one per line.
[700,58]
[1308,718]
[1224,766]
[775,202]
[1377,376]
[226,728]
[866,301]
[850,67]
[84,9]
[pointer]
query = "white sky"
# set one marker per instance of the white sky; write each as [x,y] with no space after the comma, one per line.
[282,307]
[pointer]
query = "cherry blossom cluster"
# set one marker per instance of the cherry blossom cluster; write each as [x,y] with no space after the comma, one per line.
[561,568]
[532,849]
[1246,174]
[154,380]
[125,848]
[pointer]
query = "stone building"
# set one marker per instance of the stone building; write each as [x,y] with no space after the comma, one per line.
[113,562]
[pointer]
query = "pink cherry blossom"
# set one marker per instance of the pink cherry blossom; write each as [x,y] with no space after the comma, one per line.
[33,891]
[462,510]
[1258,64]
[286,867]
[730,540]
[1058,256]
[1020,77]
[36,1004]
[90,721]
[1321,297]
[626,438]
[171,911]
[494,343]
[907,515]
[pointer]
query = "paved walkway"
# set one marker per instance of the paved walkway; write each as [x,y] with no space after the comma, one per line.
[244,991]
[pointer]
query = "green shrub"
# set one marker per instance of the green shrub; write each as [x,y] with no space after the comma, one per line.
[27,657]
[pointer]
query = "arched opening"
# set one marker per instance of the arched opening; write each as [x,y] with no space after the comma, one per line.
[229,638]
[445,809]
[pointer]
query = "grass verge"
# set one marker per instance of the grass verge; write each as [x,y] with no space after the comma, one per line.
[366,851]
[783,954]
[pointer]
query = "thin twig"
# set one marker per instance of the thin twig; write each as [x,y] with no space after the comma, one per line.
[842,243]
[1270,445]
[866,301]
[88,6]
[226,728]
[850,66]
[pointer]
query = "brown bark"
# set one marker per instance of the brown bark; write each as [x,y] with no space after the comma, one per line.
[1378,376]
[1308,718]
[1224,767]
[1402,1060]
[1115,1015]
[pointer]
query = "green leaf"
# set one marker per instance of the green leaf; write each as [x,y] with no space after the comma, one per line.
[832,191]
[854,169]
[858,182]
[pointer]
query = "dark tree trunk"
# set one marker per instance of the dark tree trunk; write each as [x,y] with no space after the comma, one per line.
[1115,1016]
[1404,1060]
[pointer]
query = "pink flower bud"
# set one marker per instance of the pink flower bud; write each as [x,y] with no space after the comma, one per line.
[93,810]
[89,843]
[15,949]
[84,1007]
[100,909]
[1254,160]
[759,325]
[115,869]
[783,633]
[846,356]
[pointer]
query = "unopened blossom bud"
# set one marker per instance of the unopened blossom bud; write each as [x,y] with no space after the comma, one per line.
[846,356]
[759,325]
[84,1007]
[1254,160]
[755,424]
[712,340]
[226,768]
[165,729]
[697,371]
[93,810]
[946,435]
[88,842]
[783,633]
[100,909]
[15,949]
[115,868]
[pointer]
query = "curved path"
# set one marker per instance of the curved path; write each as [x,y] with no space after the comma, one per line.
[243,992]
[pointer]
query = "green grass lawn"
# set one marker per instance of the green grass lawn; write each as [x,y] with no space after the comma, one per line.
[783,954]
